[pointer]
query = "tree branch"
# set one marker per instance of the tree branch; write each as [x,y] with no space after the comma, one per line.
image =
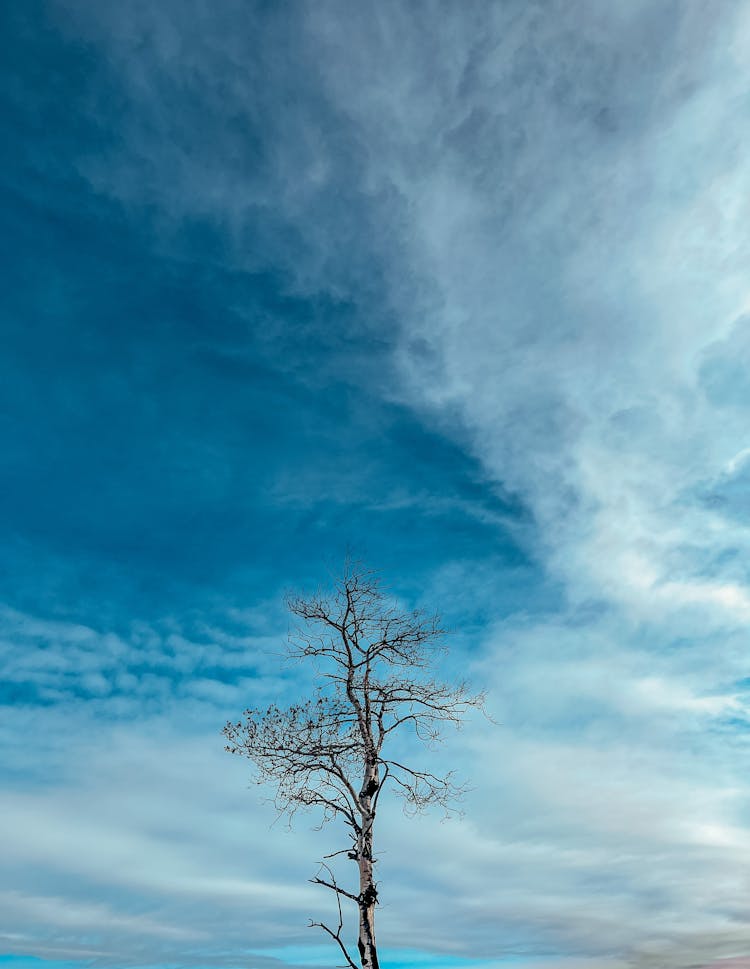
[336,936]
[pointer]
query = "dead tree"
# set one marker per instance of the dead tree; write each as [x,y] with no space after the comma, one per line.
[331,751]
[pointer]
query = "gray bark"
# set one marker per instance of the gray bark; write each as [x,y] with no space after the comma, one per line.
[368,893]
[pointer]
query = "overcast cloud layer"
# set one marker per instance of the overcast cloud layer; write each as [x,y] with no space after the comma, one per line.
[463,286]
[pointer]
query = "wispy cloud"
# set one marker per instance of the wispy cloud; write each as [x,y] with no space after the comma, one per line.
[469,281]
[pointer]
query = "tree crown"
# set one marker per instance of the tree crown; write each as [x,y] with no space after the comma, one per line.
[376,662]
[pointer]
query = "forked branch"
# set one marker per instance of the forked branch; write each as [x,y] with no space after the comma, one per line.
[336,936]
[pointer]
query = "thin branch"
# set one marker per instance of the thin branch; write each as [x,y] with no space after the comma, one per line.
[336,936]
[334,888]
[332,884]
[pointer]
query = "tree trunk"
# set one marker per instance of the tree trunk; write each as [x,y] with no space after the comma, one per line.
[368,897]
[368,894]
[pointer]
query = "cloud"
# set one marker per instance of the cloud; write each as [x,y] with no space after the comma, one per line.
[132,824]
[524,224]
[575,255]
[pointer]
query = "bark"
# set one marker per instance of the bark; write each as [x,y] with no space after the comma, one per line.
[368,893]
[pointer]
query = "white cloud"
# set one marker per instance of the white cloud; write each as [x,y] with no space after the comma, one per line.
[576,246]
[575,242]
[555,196]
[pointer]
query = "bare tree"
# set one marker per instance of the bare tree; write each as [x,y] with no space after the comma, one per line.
[332,751]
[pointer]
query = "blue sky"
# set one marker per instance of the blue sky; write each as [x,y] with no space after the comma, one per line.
[462,288]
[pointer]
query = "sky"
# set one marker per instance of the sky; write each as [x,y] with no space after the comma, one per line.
[461,288]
